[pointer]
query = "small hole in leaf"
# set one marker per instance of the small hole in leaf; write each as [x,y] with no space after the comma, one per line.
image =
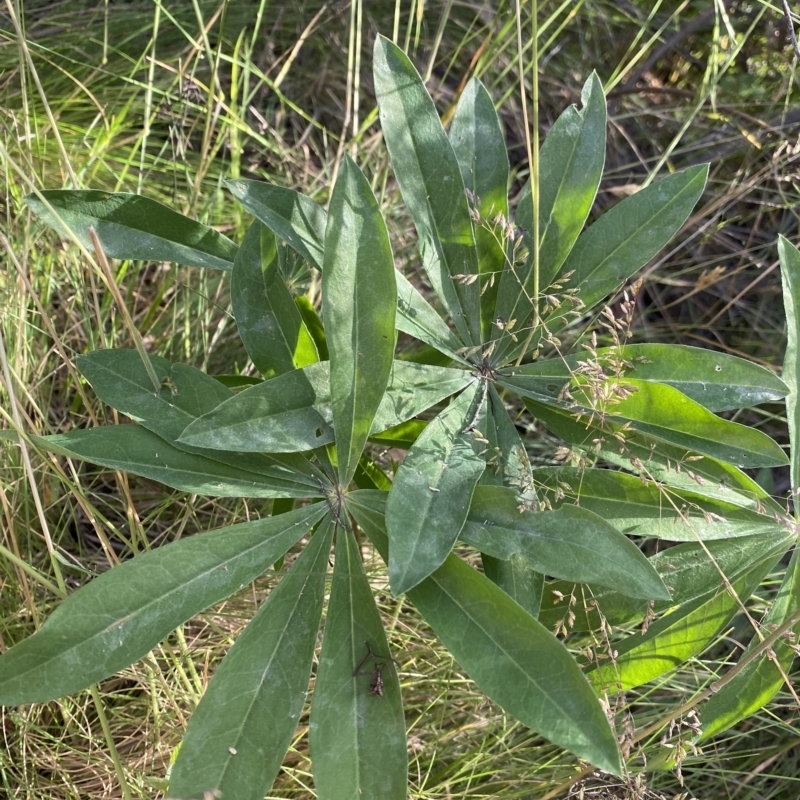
[718,368]
[318,432]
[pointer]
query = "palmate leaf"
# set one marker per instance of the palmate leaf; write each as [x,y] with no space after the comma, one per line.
[571,159]
[133,227]
[430,496]
[118,618]
[717,381]
[120,379]
[570,543]
[480,147]
[292,412]
[674,639]
[512,658]
[360,299]
[270,326]
[689,570]
[132,448]
[240,731]
[356,735]
[429,177]
[299,221]
[647,509]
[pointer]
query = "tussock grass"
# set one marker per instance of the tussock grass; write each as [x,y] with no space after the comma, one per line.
[168,100]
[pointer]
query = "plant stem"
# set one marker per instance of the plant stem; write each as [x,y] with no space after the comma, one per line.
[123,309]
[532,146]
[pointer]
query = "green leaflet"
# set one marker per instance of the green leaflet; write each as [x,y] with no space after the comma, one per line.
[430,496]
[508,465]
[509,655]
[569,543]
[133,227]
[717,381]
[120,379]
[657,461]
[269,323]
[360,298]
[480,147]
[292,412]
[430,181]
[516,578]
[132,448]
[672,640]
[357,737]
[240,731]
[790,277]
[760,680]
[571,160]
[286,414]
[663,412]
[688,570]
[626,237]
[648,509]
[301,222]
[118,618]
[291,216]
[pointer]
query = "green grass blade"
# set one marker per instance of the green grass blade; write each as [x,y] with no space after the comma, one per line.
[570,543]
[269,323]
[512,658]
[240,731]
[430,496]
[480,147]
[359,296]
[357,737]
[118,618]
[430,180]
[133,227]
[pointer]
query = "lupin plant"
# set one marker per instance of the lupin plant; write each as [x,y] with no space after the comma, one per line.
[644,454]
